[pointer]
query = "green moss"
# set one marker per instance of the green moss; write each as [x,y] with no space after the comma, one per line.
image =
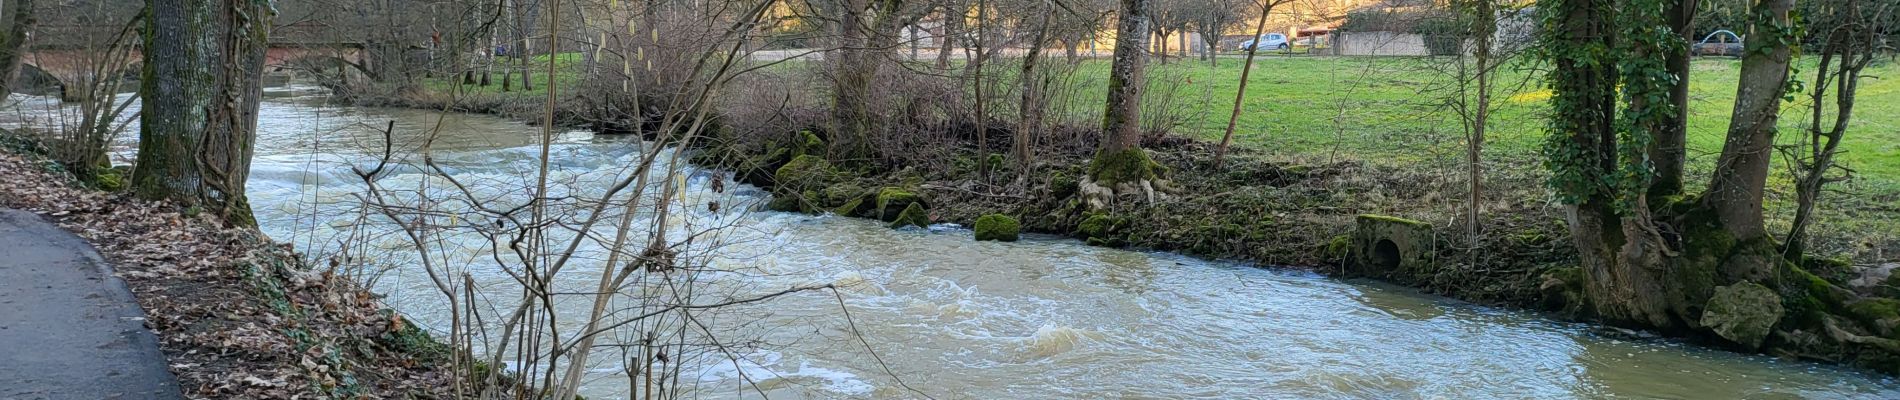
[856,207]
[1130,165]
[805,171]
[1339,247]
[809,144]
[997,161]
[1101,229]
[1062,185]
[839,194]
[891,200]
[109,179]
[913,215]
[997,227]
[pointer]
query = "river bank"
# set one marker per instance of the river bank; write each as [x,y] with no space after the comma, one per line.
[1257,209]
[238,315]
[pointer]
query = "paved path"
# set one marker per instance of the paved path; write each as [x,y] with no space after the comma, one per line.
[68,328]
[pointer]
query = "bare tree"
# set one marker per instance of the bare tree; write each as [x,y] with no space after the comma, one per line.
[1851,44]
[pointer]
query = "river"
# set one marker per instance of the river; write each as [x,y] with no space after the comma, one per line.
[1046,317]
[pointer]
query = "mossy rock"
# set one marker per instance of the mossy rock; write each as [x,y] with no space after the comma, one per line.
[1744,313]
[913,215]
[839,194]
[1129,165]
[786,203]
[892,200]
[808,143]
[1061,185]
[860,206]
[804,172]
[997,227]
[1882,314]
[1101,230]
[110,179]
[1339,247]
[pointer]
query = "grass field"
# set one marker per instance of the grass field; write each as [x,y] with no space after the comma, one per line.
[1397,109]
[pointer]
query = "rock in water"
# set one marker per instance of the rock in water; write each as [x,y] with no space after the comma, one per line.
[1744,313]
[997,227]
[914,215]
[891,200]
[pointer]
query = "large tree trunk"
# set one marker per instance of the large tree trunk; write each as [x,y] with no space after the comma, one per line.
[1742,171]
[203,62]
[21,21]
[1620,252]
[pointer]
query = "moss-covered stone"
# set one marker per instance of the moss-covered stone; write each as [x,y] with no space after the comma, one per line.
[786,203]
[857,207]
[997,227]
[1744,313]
[1881,314]
[1129,165]
[892,200]
[804,172]
[110,179]
[913,215]
[839,194]
[1061,185]
[808,143]
[1101,230]
[1339,247]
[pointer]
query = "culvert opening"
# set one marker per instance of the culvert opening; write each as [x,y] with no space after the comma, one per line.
[1386,254]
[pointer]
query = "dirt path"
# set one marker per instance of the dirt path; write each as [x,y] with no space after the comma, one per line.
[68,328]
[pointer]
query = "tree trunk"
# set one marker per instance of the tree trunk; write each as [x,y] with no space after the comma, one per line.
[1741,173]
[1030,109]
[1668,151]
[1620,253]
[952,23]
[203,63]
[850,109]
[1120,166]
[13,44]
[1121,121]
[1220,153]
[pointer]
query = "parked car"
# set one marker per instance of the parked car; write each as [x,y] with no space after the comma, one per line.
[1719,43]
[1275,41]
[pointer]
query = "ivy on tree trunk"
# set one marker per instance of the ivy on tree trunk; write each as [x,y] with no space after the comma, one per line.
[201,85]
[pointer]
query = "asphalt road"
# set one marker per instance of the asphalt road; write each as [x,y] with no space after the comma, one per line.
[68,328]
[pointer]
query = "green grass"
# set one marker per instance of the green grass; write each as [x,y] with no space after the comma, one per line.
[1396,109]
[566,74]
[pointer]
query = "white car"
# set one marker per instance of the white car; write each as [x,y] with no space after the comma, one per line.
[1275,41]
